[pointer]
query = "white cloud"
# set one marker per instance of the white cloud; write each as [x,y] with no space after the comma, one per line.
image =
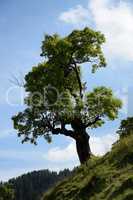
[99,146]
[115,21]
[75,15]
[123,95]
[103,144]
[27,161]
[62,154]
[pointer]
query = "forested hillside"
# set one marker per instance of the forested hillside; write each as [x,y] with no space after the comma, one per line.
[30,186]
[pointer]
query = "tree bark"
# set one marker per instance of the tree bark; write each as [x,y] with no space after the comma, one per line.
[83,147]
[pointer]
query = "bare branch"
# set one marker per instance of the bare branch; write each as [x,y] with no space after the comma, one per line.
[17,81]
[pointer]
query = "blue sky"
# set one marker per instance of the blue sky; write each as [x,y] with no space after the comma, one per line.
[22,27]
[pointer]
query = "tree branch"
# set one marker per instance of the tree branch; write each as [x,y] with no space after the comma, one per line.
[17,81]
[56,131]
[65,132]
[78,78]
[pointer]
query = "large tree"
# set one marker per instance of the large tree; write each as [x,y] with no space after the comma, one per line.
[58,102]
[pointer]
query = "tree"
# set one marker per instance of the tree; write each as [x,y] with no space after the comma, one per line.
[126,127]
[6,192]
[58,101]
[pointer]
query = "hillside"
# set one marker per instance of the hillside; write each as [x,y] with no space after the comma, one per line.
[108,178]
[32,185]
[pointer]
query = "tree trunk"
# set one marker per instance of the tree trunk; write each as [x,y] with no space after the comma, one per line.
[83,147]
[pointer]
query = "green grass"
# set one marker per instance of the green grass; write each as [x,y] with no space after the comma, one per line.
[106,178]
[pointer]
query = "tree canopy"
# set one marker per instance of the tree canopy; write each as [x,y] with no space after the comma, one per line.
[57,96]
[126,127]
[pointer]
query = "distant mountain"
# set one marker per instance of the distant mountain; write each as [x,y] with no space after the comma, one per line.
[32,185]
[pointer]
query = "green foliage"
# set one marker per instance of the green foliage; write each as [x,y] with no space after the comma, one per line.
[105,178]
[45,74]
[6,192]
[101,102]
[80,46]
[122,152]
[126,127]
[55,92]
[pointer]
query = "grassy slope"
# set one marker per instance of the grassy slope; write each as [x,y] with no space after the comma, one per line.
[108,178]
